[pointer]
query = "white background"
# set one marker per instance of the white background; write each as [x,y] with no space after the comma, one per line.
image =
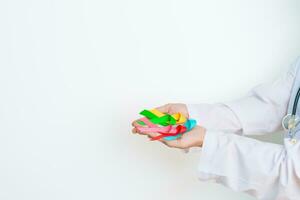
[74,74]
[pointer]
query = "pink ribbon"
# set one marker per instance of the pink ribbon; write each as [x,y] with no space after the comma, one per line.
[164,131]
[153,128]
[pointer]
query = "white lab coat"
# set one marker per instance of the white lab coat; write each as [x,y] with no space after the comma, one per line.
[265,170]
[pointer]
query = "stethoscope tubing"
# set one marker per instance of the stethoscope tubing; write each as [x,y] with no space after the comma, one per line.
[296,102]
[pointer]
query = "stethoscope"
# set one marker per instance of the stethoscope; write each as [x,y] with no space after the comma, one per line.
[291,120]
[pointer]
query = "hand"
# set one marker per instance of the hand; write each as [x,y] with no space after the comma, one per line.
[193,138]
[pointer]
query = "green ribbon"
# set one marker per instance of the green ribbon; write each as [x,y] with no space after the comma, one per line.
[164,120]
[141,123]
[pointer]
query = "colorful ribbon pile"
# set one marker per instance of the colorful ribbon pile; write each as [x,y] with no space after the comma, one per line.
[170,127]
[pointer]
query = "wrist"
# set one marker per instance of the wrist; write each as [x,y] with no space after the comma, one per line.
[202,136]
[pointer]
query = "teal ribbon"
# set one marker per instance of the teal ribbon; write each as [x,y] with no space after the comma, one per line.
[189,124]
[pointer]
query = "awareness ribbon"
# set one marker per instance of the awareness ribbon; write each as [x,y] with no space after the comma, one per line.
[156,121]
[157,117]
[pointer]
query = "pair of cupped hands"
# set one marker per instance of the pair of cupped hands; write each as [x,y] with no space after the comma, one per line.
[193,138]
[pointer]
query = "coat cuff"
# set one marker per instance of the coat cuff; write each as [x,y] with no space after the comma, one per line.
[208,150]
[228,159]
[213,165]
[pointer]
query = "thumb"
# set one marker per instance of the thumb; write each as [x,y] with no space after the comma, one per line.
[164,109]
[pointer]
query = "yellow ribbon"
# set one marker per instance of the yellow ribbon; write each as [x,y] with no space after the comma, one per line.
[180,119]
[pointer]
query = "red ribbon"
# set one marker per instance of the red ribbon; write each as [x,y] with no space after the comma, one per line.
[178,130]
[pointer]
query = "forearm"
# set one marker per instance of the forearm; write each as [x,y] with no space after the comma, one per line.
[260,111]
[216,116]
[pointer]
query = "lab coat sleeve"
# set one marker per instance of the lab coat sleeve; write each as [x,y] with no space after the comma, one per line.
[216,116]
[264,170]
[259,111]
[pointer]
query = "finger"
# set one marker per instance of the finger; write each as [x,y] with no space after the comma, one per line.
[134,130]
[135,123]
[151,135]
[167,143]
[178,143]
[165,108]
[139,132]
